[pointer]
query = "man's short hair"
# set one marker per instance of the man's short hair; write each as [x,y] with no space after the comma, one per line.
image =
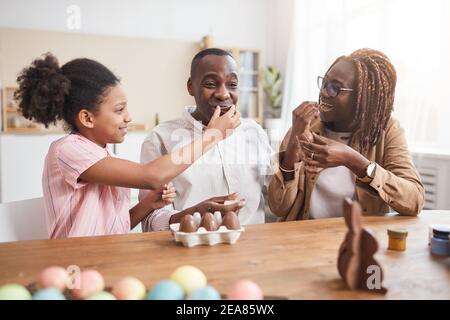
[208,52]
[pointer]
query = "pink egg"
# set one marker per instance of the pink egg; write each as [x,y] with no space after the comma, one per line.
[91,282]
[128,288]
[53,277]
[245,290]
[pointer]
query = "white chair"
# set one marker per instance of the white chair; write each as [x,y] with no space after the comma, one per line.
[23,220]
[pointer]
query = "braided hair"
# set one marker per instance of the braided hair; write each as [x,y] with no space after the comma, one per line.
[376,80]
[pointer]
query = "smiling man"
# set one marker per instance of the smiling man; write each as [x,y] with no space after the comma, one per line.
[237,169]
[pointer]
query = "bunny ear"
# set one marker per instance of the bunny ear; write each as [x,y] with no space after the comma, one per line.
[347,209]
[352,214]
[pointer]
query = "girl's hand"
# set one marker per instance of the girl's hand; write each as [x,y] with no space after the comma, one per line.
[161,197]
[325,153]
[223,126]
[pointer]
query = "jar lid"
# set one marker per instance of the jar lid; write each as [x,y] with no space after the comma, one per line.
[441,231]
[397,232]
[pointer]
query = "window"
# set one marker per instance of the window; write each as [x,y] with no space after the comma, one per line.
[415,34]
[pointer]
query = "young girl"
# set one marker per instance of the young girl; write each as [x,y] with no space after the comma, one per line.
[354,149]
[86,188]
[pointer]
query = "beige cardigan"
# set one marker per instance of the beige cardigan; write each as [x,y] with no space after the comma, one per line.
[396,183]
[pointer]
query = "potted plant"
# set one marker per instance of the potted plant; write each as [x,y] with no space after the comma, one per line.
[273,90]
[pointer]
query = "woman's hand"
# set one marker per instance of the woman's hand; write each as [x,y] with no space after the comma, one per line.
[302,117]
[161,197]
[326,153]
[301,122]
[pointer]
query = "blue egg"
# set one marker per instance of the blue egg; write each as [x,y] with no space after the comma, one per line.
[48,294]
[205,293]
[166,290]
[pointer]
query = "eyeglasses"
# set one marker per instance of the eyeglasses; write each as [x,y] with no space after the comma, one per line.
[333,88]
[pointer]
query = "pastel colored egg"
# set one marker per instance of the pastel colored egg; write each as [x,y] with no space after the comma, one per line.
[14,291]
[206,293]
[53,277]
[166,290]
[102,296]
[48,294]
[245,290]
[128,288]
[91,282]
[189,277]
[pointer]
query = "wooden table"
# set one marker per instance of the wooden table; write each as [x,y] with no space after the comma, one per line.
[296,260]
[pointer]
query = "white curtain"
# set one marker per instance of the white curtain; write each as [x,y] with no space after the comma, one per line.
[415,34]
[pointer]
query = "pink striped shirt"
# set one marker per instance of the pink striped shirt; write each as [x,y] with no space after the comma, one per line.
[75,208]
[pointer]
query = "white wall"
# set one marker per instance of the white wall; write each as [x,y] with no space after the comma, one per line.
[258,24]
[262,24]
[22,162]
[232,23]
[279,32]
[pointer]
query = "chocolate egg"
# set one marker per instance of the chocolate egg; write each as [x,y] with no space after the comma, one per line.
[188,224]
[208,222]
[231,221]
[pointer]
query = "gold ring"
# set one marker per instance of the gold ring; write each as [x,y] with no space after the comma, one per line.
[312,156]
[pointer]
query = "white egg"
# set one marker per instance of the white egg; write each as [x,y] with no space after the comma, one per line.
[197,218]
[218,217]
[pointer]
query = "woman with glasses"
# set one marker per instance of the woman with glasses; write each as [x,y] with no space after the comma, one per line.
[347,145]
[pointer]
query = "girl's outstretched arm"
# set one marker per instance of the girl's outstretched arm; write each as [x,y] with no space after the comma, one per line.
[124,173]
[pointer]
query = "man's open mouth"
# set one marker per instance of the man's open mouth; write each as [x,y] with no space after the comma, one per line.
[223,108]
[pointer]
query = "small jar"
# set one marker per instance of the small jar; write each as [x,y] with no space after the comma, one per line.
[397,239]
[440,242]
[432,227]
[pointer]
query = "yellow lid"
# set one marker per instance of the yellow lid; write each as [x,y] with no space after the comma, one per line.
[397,232]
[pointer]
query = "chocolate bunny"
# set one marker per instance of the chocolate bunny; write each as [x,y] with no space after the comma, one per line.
[356,254]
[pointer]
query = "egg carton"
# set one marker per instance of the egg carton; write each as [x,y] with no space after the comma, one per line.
[204,237]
